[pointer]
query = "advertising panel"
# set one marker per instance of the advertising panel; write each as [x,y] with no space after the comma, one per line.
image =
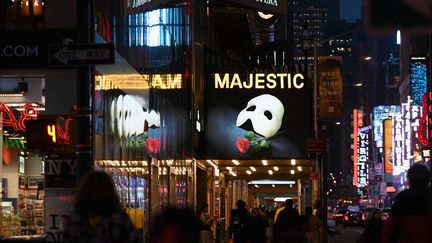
[357,124]
[363,156]
[257,115]
[418,78]
[397,144]
[388,152]
[330,87]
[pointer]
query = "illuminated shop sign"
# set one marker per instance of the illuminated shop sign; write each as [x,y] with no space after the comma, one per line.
[380,113]
[388,145]
[363,156]
[164,81]
[15,115]
[418,78]
[259,81]
[357,124]
[429,115]
[398,141]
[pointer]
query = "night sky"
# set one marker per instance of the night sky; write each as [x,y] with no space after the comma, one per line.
[351,9]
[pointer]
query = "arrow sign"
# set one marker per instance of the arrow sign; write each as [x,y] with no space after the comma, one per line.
[78,55]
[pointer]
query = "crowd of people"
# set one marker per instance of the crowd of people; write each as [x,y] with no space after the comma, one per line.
[98,217]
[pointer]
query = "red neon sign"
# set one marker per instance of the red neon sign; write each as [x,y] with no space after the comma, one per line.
[26,112]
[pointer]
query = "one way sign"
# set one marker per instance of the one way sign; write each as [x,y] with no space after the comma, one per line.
[81,54]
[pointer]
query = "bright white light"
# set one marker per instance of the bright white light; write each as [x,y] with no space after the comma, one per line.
[232,173]
[256,186]
[398,37]
[229,168]
[252,168]
[292,172]
[299,168]
[358,84]
[270,182]
[275,168]
[270,172]
[264,162]
[235,162]
[273,186]
[265,16]
[248,172]
[338,123]
[293,162]
[281,199]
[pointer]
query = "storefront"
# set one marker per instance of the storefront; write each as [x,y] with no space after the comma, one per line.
[21,170]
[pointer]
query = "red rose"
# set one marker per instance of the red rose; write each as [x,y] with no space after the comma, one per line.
[153,145]
[242,145]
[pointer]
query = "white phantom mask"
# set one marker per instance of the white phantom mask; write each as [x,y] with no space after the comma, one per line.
[128,115]
[265,112]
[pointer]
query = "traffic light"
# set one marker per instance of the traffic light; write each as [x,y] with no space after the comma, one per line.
[41,134]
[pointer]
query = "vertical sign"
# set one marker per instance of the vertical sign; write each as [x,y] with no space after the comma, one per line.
[429,115]
[416,112]
[388,145]
[418,77]
[1,153]
[406,134]
[330,87]
[363,156]
[357,124]
[397,144]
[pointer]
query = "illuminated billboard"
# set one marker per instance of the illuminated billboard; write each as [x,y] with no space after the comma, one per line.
[388,146]
[418,78]
[256,116]
[363,157]
[397,144]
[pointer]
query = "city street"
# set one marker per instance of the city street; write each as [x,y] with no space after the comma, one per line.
[349,234]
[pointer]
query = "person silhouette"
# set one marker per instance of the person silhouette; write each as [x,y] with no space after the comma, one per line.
[175,225]
[411,213]
[98,216]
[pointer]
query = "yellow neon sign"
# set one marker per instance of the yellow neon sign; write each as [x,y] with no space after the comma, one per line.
[52,132]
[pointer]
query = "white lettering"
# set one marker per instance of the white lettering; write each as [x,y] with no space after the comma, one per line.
[221,84]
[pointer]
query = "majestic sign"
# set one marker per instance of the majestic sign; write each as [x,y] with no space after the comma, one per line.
[256,115]
[330,87]
[418,78]
[260,81]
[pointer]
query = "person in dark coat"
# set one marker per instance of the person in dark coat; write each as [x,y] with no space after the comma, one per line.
[374,228]
[411,213]
[239,223]
[258,227]
[288,226]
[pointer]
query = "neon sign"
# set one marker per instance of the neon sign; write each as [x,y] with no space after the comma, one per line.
[51,130]
[397,144]
[363,156]
[26,112]
[419,78]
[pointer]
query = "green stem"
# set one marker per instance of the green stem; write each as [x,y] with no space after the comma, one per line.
[258,140]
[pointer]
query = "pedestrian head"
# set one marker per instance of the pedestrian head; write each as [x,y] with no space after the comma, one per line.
[241,204]
[175,226]
[255,212]
[289,203]
[308,211]
[419,175]
[96,195]
[204,207]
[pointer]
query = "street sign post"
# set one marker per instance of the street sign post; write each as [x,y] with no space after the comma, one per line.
[81,55]
[316,145]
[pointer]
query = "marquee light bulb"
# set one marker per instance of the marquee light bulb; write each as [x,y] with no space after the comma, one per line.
[270,172]
[248,172]
[293,162]
[264,162]
[292,172]
[252,168]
